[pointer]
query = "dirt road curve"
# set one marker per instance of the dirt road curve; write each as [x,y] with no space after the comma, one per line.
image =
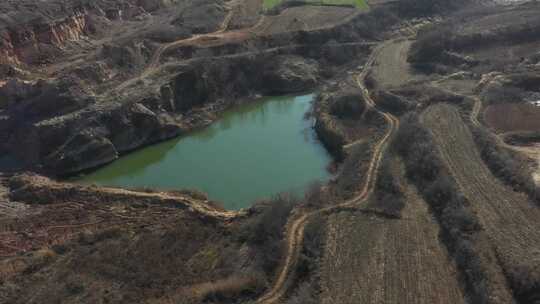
[154,61]
[295,232]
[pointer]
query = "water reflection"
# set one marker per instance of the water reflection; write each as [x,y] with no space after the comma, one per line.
[254,151]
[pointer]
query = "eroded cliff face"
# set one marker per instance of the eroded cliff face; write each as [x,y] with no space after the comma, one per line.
[89,133]
[33,33]
[35,42]
[89,137]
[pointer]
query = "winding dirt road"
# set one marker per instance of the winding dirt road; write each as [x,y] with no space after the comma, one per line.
[295,232]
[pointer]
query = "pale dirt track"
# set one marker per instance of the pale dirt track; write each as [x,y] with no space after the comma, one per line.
[509,218]
[156,57]
[295,231]
[368,259]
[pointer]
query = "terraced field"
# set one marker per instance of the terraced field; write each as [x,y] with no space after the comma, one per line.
[369,259]
[509,219]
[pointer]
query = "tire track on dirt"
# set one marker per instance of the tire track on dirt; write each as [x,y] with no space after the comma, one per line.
[295,232]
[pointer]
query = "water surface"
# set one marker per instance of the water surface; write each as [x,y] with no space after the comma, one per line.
[254,151]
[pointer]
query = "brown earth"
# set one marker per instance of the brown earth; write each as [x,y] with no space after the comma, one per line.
[511,117]
[39,212]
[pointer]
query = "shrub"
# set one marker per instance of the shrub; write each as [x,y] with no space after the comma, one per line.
[351,177]
[265,232]
[305,294]
[439,189]
[430,46]
[505,164]
[525,283]
[388,192]
[348,106]
[393,103]
[316,196]
[307,271]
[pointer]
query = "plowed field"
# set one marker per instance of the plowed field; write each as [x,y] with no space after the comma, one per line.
[509,219]
[374,260]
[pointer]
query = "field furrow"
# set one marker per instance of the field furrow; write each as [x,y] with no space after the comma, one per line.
[369,259]
[509,219]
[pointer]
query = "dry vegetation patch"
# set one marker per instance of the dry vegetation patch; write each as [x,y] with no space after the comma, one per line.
[509,218]
[372,259]
[511,117]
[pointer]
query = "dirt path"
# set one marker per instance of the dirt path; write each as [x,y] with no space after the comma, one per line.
[295,231]
[510,220]
[220,33]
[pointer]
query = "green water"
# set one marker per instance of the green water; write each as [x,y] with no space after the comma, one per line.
[254,151]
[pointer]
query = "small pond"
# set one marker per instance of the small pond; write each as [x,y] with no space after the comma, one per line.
[253,151]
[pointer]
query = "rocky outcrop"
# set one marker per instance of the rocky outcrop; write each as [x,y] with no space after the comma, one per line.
[43,99]
[84,150]
[331,107]
[35,42]
[103,135]
[230,79]
[290,74]
[84,135]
